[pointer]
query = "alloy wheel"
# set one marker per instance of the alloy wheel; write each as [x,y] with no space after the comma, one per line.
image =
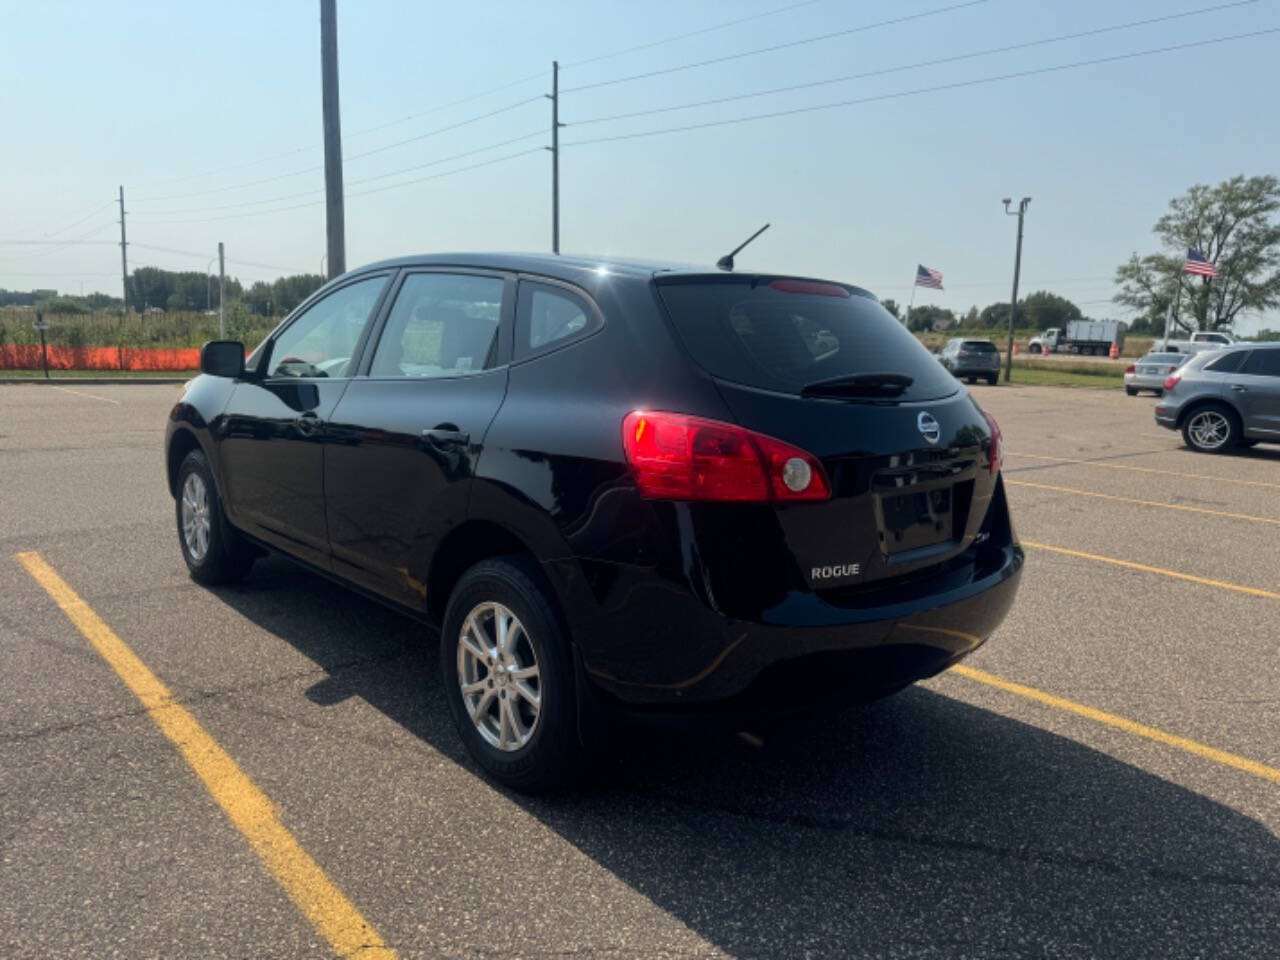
[498,676]
[195,516]
[1209,429]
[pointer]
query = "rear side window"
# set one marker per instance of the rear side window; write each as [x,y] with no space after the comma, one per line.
[548,316]
[1228,362]
[790,334]
[1263,363]
[441,325]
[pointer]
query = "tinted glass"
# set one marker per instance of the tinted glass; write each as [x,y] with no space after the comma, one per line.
[547,314]
[321,341]
[979,346]
[1228,362]
[744,330]
[1164,358]
[441,325]
[1264,363]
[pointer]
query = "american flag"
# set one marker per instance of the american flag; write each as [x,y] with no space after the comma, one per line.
[1197,264]
[928,278]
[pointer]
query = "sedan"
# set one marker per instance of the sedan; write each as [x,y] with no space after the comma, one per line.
[1151,371]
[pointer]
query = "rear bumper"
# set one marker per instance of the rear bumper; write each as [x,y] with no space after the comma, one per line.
[973,371]
[672,649]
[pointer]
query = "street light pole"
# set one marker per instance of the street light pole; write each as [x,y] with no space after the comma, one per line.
[335,229]
[1017,271]
[208,284]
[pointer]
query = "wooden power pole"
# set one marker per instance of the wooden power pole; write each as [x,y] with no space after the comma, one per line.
[335,226]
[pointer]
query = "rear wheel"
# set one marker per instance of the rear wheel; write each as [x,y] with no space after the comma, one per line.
[506,668]
[970,380]
[1211,429]
[1131,391]
[993,378]
[213,552]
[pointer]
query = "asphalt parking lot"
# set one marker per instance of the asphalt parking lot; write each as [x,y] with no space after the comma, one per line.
[1101,779]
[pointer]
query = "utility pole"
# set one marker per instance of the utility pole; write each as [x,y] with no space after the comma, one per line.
[335,227]
[1017,271]
[222,280]
[555,156]
[124,260]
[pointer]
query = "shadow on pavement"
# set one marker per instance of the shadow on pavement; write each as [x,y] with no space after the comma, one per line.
[918,826]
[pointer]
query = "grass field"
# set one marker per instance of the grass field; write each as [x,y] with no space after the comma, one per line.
[1082,373]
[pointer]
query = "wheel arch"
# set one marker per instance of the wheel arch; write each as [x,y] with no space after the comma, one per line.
[1195,406]
[181,443]
[474,540]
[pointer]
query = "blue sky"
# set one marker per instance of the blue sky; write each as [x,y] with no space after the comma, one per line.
[164,98]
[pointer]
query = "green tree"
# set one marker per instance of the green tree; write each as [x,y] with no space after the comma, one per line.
[926,318]
[972,319]
[892,307]
[1234,225]
[1043,310]
[996,316]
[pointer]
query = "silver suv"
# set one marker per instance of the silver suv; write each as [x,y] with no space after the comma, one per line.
[1225,398]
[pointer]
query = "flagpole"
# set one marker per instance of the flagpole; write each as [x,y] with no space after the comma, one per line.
[907,321]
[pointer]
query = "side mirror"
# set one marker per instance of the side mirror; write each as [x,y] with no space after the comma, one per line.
[222,358]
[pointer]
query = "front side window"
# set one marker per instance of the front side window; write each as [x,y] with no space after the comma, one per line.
[322,340]
[441,325]
[546,314]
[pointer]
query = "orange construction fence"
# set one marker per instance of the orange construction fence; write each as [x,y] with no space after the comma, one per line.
[26,356]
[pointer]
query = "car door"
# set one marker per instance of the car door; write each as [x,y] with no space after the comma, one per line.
[1256,388]
[403,444]
[269,437]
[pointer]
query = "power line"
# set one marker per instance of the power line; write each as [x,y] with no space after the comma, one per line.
[206,256]
[358,156]
[76,223]
[379,176]
[914,66]
[359,193]
[777,46]
[922,90]
[691,33]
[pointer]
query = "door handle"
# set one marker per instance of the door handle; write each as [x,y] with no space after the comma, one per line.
[446,435]
[1239,388]
[307,423]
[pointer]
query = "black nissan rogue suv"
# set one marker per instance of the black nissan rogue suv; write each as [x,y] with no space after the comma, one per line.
[612,484]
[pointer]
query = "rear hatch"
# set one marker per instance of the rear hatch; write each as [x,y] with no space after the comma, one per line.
[824,367]
[980,354]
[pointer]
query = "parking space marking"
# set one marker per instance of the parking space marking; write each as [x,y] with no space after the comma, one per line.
[332,915]
[1166,473]
[1145,568]
[1145,503]
[1120,723]
[91,396]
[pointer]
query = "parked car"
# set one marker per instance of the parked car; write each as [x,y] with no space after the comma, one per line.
[971,359]
[1199,341]
[1225,399]
[1087,337]
[615,486]
[1151,371]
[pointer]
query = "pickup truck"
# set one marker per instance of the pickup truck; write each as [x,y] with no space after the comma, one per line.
[1087,337]
[1199,341]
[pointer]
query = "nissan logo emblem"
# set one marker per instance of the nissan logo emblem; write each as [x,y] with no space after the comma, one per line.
[929,428]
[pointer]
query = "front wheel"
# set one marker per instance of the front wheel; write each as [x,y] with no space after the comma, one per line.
[1211,429]
[213,552]
[505,663]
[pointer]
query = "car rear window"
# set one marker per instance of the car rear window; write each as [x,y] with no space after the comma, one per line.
[1163,358]
[1227,363]
[978,346]
[783,334]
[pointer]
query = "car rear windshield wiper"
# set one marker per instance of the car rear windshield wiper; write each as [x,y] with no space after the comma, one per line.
[859,385]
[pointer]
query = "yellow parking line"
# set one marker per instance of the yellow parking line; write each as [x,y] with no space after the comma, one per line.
[248,808]
[1130,565]
[1144,503]
[1121,723]
[1165,473]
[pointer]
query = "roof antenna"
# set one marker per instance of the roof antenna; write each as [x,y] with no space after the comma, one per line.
[726,262]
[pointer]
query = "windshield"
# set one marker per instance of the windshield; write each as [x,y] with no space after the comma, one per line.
[785,335]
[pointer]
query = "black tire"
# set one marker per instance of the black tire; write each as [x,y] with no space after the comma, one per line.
[1035,348]
[971,380]
[226,557]
[1228,433]
[993,379]
[1246,444]
[1131,391]
[550,758]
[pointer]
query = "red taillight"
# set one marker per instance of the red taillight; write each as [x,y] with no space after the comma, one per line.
[1129,368]
[676,457]
[1172,382]
[814,287]
[997,444]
